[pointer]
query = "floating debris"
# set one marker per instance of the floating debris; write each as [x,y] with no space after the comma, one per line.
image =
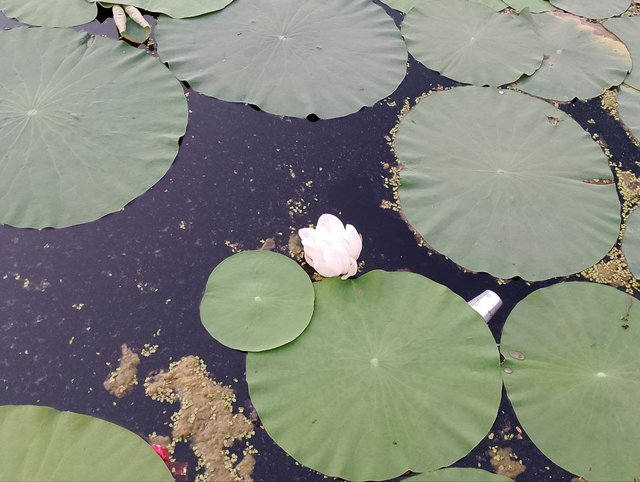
[123,379]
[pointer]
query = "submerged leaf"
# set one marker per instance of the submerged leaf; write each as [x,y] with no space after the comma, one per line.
[381,381]
[289,57]
[576,389]
[41,443]
[495,180]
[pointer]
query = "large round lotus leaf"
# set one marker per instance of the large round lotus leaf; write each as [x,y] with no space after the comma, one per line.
[534,6]
[629,109]
[627,29]
[177,8]
[289,57]
[257,300]
[394,372]
[50,13]
[631,243]
[593,8]
[88,124]
[456,474]
[495,180]
[466,42]
[581,59]
[572,350]
[41,443]
[406,5]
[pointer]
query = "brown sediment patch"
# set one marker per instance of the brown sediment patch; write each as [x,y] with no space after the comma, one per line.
[206,419]
[505,462]
[123,379]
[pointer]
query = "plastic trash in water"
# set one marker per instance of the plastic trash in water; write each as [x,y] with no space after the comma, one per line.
[486,304]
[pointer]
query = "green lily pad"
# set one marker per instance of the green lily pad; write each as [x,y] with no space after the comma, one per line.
[394,372]
[290,57]
[176,8]
[631,243]
[593,8]
[629,109]
[574,382]
[510,210]
[50,13]
[257,300]
[534,6]
[627,29]
[41,443]
[582,59]
[89,124]
[456,474]
[406,5]
[465,41]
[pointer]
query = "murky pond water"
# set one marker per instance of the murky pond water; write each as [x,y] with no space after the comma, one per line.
[70,298]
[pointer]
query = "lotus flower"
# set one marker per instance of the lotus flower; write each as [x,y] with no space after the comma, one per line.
[331,248]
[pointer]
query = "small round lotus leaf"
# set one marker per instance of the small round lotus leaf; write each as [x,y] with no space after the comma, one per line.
[257,300]
[631,243]
[456,474]
[627,29]
[495,180]
[629,109]
[177,8]
[593,8]
[576,392]
[582,59]
[289,57]
[88,124]
[534,6]
[381,381]
[464,40]
[41,443]
[50,13]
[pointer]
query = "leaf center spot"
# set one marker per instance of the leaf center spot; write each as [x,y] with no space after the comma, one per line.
[32,112]
[501,171]
[374,362]
[257,299]
[601,375]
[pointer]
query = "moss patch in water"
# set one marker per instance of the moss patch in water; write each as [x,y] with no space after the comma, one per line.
[206,419]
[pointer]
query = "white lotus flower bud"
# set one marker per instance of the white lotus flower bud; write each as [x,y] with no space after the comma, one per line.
[331,248]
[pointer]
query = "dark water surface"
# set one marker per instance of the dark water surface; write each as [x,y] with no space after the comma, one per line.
[70,297]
